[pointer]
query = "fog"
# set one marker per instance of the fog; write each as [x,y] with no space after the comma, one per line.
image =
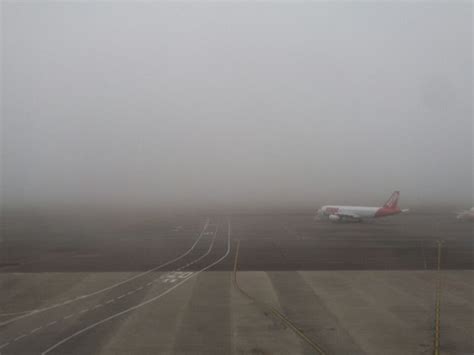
[236,104]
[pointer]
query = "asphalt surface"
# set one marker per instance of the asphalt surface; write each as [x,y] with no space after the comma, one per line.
[147,286]
[268,242]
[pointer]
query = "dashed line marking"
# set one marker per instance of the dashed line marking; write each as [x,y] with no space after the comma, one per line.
[40,310]
[142,304]
[171,277]
[20,337]
[120,297]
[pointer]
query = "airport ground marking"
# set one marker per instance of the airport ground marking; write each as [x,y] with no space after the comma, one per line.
[423,254]
[36,329]
[79,332]
[13,313]
[436,347]
[39,310]
[182,275]
[19,337]
[271,308]
[4,345]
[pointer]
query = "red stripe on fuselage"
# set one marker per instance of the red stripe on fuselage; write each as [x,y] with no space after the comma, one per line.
[384,211]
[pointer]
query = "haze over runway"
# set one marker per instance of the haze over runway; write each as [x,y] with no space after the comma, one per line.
[283,105]
[162,164]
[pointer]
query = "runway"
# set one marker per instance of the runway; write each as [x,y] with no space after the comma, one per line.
[185,302]
[268,242]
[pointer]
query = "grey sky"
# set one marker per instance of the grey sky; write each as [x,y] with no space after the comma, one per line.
[228,104]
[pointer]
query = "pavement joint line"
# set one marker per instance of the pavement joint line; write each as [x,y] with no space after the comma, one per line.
[19,337]
[272,309]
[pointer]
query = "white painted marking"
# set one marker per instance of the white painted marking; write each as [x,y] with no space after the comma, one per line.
[35,330]
[4,345]
[140,288]
[84,310]
[68,316]
[109,301]
[20,337]
[130,292]
[198,259]
[59,343]
[185,274]
[30,313]
[120,297]
[97,306]
[13,313]
[149,284]
[51,323]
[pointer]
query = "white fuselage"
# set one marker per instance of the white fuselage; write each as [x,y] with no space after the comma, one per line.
[467,215]
[361,211]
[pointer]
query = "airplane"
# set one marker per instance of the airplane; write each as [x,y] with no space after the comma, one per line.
[466,215]
[359,213]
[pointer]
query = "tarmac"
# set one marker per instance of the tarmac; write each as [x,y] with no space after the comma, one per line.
[176,285]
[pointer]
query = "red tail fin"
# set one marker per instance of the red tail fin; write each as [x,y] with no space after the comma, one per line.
[392,202]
